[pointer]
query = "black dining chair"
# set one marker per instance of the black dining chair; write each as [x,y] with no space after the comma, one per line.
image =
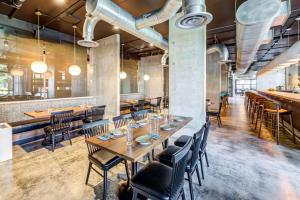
[192,166]
[96,114]
[158,181]
[139,115]
[155,104]
[122,120]
[216,113]
[140,105]
[104,160]
[202,151]
[60,125]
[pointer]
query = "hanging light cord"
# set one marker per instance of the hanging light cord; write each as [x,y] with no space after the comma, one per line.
[39,47]
[74,39]
[122,56]
[298,29]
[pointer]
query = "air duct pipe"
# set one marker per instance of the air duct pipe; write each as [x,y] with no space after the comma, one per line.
[159,16]
[18,3]
[222,50]
[194,15]
[108,11]
[254,20]
[164,59]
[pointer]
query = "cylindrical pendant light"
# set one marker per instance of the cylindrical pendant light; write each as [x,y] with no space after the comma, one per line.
[39,66]
[74,69]
[123,74]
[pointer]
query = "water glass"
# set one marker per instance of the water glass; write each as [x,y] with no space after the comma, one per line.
[129,133]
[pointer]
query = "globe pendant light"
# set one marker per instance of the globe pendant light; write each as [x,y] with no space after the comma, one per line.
[74,69]
[39,66]
[123,74]
[146,77]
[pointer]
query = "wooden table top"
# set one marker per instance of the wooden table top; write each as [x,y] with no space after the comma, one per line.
[44,114]
[136,151]
[295,97]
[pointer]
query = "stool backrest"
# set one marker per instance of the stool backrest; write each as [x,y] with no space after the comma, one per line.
[61,120]
[95,129]
[179,160]
[122,120]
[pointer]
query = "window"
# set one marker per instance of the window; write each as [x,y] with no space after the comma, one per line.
[241,85]
[6,81]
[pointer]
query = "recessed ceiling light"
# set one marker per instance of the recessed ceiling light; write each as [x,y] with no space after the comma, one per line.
[60,1]
[288,29]
[151,45]
[116,27]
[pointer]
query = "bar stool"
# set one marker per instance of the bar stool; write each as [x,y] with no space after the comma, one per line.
[272,114]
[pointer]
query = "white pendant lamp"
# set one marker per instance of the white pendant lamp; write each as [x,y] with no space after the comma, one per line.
[146,77]
[39,66]
[74,69]
[123,74]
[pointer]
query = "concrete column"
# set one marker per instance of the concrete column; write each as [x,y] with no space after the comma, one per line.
[104,72]
[151,65]
[187,75]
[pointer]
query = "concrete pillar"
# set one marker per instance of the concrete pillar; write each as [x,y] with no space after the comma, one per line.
[104,72]
[224,78]
[187,75]
[151,65]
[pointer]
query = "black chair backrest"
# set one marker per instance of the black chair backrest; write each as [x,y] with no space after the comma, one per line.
[61,120]
[122,120]
[95,129]
[97,112]
[179,161]
[197,140]
[139,115]
[141,104]
[220,106]
[205,136]
[159,101]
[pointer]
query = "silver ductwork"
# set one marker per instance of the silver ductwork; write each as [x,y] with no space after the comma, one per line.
[254,20]
[159,16]
[222,50]
[194,15]
[108,11]
[18,3]
[164,59]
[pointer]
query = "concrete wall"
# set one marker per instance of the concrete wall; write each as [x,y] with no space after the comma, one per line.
[14,111]
[130,84]
[213,79]
[104,69]
[151,65]
[224,78]
[187,74]
[271,80]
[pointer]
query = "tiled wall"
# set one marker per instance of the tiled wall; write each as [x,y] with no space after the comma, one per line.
[14,111]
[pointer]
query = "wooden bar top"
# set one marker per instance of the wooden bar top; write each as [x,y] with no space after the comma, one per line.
[293,97]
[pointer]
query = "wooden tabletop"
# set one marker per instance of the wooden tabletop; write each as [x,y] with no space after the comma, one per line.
[294,97]
[44,114]
[136,151]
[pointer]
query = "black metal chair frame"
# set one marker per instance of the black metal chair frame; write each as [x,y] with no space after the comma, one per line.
[60,124]
[95,129]
[179,160]
[95,114]
[157,104]
[139,115]
[216,114]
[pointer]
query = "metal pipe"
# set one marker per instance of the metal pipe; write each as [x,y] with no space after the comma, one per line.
[159,16]
[222,50]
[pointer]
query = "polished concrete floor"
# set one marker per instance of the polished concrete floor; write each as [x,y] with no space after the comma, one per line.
[242,166]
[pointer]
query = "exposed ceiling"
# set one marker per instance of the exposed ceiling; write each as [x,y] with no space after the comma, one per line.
[61,14]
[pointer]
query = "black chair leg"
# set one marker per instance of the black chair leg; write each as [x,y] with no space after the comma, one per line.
[183,195]
[198,175]
[88,173]
[69,136]
[134,196]
[104,184]
[205,154]
[201,165]
[191,185]
[219,120]
[53,142]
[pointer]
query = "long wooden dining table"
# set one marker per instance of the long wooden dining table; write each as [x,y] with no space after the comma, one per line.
[136,151]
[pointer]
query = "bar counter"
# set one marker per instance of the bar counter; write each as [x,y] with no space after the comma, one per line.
[289,101]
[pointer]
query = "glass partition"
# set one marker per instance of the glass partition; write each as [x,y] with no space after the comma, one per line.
[18,49]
